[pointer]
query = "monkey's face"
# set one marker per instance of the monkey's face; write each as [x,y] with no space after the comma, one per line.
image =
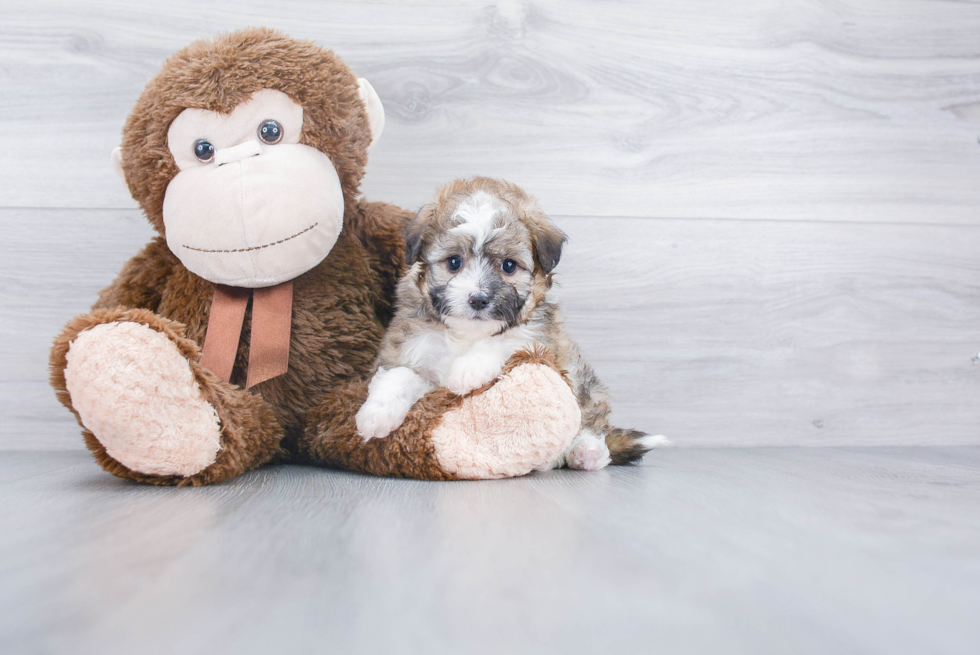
[251,206]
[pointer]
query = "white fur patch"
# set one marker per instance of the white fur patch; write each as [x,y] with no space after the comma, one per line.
[473,370]
[588,452]
[477,217]
[433,353]
[391,394]
[429,354]
[463,285]
[466,331]
[481,360]
[651,441]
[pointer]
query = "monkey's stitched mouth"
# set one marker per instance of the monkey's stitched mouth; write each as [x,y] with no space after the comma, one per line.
[267,245]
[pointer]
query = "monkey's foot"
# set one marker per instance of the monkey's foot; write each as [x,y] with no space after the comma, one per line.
[527,419]
[135,391]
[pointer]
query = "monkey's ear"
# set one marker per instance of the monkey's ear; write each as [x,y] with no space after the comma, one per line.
[375,110]
[117,163]
[414,232]
[548,241]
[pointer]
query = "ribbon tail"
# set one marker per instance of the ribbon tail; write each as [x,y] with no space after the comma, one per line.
[224,330]
[272,313]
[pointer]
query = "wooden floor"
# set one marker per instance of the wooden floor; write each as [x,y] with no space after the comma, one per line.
[742,550]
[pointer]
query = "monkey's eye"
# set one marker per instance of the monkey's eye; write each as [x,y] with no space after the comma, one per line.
[508,266]
[270,132]
[203,150]
[454,263]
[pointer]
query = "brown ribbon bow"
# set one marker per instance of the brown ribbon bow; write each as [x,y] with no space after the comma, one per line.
[272,311]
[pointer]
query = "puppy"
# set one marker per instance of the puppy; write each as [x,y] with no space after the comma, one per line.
[481,259]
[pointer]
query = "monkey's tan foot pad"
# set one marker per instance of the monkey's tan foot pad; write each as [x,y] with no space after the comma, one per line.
[137,394]
[525,420]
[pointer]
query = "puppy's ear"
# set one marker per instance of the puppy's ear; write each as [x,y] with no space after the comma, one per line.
[415,231]
[548,241]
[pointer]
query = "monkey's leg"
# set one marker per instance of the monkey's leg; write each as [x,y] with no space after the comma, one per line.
[520,422]
[149,411]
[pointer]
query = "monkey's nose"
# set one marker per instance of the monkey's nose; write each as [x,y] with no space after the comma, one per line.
[236,153]
[479,302]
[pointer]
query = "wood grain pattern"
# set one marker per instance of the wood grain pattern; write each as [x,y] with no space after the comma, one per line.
[864,110]
[712,332]
[773,216]
[697,551]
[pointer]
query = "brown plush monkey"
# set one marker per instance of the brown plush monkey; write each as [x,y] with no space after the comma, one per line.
[246,153]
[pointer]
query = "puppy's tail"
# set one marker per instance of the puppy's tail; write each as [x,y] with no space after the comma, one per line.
[628,446]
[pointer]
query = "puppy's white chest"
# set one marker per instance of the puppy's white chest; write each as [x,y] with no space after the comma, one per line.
[430,354]
[443,355]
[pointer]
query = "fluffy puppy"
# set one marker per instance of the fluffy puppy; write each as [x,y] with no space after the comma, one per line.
[481,259]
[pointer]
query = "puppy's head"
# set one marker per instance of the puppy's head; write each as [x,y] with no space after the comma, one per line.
[485,253]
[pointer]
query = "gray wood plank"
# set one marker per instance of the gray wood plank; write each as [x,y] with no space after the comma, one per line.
[842,550]
[856,110]
[52,267]
[712,332]
[728,332]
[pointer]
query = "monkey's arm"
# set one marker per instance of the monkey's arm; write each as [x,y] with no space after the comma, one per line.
[379,227]
[519,422]
[140,283]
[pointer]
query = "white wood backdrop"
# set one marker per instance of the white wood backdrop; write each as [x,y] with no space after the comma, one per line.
[773,205]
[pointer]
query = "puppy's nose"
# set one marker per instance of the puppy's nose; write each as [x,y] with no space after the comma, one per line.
[479,302]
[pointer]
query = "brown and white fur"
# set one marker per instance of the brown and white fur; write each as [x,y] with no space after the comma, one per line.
[481,259]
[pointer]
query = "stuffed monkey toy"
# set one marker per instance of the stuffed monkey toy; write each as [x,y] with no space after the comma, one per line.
[243,333]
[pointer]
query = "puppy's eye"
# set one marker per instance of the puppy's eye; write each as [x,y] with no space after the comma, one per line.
[508,266]
[454,263]
[203,150]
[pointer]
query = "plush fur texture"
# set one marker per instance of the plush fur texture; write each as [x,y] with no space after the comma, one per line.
[516,426]
[220,74]
[340,307]
[525,423]
[156,420]
[250,430]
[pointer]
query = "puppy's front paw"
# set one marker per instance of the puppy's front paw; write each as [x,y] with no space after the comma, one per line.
[471,372]
[391,394]
[376,420]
